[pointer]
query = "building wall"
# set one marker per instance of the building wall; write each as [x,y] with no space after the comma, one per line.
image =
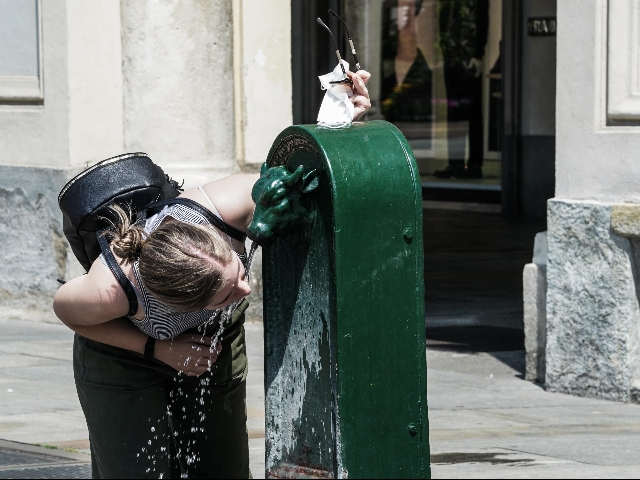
[33,251]
[35,133]
[94,57]
[593,319]
[266,92]
[178,81]
[202,87]
[595,161]
[34,158]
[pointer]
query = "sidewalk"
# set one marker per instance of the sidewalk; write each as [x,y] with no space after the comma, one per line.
[39,405]
[486,422]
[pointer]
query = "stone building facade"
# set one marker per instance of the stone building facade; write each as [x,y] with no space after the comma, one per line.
[203,87]
[593,316]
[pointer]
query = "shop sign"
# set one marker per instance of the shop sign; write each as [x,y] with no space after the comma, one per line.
[542,26]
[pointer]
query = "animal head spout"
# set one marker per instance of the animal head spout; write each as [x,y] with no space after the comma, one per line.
[277,196]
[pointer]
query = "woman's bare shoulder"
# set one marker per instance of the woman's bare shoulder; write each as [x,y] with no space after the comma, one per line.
[91,299]
[231,196]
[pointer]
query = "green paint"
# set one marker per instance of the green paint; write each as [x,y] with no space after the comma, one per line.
[345,370]
[277,197]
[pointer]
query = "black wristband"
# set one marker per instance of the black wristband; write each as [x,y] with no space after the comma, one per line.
[149,347]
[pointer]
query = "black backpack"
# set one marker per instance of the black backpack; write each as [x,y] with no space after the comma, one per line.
[130,179]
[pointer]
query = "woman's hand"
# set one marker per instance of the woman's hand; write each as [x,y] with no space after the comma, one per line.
[193,355]
[360,97]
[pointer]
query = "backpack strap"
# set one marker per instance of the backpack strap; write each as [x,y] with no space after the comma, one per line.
[205,212]
[124,282]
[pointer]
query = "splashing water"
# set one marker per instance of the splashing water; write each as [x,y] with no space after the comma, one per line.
[190,457]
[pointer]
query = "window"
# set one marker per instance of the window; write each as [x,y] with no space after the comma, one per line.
[20,52]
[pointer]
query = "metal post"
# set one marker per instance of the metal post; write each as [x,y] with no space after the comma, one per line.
[345,366]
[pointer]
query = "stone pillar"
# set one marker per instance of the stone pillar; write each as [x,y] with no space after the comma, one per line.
[593,318]
[177,62]
[264,100]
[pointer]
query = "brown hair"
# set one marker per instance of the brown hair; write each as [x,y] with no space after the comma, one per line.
[179,262]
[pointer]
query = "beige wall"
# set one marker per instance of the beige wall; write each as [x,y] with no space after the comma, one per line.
[203,87]
[95,80]
[263,76]
[38,134]
[179,85]
[596,159]
[80,118]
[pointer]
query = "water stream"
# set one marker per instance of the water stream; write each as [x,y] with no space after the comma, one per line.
[186,455]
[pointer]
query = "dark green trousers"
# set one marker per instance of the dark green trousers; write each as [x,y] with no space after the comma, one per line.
[146,421]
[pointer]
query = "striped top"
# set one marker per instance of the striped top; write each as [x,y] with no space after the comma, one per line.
[162,321]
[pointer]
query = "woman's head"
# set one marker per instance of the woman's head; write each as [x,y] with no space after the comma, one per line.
[188,267]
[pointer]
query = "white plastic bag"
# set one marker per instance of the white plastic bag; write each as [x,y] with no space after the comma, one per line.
[336,110]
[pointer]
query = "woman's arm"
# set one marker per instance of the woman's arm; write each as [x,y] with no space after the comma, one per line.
[231,196]
[191,354]
[93,306]
[90,299]
[119,332]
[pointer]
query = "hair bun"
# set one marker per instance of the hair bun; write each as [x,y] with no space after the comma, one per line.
[128,244]
[128,239]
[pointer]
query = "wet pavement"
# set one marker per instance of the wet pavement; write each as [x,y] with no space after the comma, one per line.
[40,415]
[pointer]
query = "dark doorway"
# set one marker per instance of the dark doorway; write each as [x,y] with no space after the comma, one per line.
[529,92]
[422,54]
[479,232]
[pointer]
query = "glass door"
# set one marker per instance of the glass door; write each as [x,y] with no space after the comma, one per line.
[437,72]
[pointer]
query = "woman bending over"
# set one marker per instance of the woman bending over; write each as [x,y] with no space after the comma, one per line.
[163,393]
